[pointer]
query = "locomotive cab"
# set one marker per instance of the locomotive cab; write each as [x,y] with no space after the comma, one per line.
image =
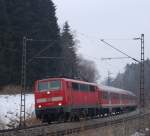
[49,98]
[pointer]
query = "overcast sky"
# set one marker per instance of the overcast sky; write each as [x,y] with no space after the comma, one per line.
[116,21]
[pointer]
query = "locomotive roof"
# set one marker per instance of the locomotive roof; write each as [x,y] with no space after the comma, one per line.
[79,81]
[71,80]
[115,90]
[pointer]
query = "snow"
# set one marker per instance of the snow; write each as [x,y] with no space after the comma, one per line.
[138,134]
[141,134]
[10,108]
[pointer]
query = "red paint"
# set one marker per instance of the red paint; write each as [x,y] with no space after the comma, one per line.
[78,98]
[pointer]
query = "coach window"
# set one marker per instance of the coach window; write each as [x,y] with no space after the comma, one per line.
[115,96]
[124,97]
[105,95]
[130,98]
[75,86]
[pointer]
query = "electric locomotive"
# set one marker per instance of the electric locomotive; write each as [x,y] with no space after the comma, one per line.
[69,99]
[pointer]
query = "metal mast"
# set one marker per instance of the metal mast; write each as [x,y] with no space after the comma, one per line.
[142,101]
[141,62]
[23,84]
[23,75]
[109,78]
[142,97]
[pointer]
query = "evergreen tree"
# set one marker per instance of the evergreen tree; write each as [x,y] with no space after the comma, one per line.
[69,61]
[34,19]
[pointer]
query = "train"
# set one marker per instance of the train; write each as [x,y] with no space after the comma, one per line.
[63,99]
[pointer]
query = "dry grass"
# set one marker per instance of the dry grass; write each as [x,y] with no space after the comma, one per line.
[10,89]
[13,89]
[32,121]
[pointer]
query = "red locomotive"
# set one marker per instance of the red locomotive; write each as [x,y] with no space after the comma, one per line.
[63,99]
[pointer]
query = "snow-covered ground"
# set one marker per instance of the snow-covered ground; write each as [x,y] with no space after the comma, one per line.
[138,134]
[10,108]
[145,133]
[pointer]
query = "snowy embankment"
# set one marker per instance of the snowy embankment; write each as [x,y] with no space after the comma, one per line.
[10,109]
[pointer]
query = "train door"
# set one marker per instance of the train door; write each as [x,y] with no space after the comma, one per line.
[69,93]
[100,96]
[120,99]
[110,99]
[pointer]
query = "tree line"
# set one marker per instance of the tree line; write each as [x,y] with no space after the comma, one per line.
[130,78]
[36,19]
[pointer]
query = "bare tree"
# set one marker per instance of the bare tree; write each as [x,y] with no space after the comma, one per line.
[2,125]
[87,70]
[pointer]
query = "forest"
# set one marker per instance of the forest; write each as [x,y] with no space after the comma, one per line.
[37,20]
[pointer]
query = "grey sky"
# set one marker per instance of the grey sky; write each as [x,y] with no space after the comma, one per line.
[113,20]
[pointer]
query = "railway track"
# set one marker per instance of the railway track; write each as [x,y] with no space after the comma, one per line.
[71,127]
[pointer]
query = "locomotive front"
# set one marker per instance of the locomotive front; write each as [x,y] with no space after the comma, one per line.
[49,99]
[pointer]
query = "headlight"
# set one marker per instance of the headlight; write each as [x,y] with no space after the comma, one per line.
[39,106]
[59,104]
[41,100]
[48,92]
[55,99]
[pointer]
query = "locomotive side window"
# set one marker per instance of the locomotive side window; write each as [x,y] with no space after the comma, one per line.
[115,96]
[84,87]
[92,88]
[125,97]
[105,95]
[75,86]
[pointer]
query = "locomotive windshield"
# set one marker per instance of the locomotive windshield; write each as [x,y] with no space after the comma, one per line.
[49,85]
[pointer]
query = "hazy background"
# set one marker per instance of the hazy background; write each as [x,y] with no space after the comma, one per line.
[117,21]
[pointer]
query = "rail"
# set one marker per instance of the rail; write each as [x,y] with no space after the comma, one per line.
[71,127]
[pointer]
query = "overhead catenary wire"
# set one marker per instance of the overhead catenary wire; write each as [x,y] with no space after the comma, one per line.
[110,58]
[106,43]
[102,40]
[106,58]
